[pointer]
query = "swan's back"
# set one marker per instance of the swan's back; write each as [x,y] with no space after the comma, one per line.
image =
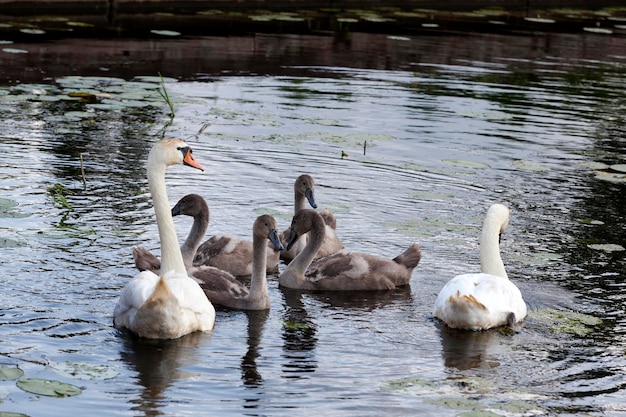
[226,252]
[479,301]
[354,271]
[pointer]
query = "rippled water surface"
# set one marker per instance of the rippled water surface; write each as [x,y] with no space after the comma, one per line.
[410,143]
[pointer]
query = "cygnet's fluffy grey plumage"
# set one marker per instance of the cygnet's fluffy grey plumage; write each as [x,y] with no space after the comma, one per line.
[345,270]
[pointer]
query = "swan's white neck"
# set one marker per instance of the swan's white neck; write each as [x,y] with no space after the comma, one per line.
[490,259]
[171,257]
[258,282]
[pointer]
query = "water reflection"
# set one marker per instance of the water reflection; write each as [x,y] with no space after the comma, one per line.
[158,364]
[249,371]
[462,349]
[299,337]
[363,300]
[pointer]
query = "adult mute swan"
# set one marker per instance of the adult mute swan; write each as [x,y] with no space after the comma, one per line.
[303,190]
[487,299]
[342,271]
[223,289]
[173,304]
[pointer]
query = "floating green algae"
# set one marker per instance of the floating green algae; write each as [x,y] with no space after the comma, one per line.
[568,322]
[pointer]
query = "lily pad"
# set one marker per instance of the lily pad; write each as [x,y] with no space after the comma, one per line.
[6,205]
[538,258]
[613,177]
[165,32]
[324,122]
[48,387]
[398,38]
[619,168]
[8,243]
[14,51]
[428,226]
[539,20]
[465,164]
[33,31]
[8,373]
[80,24]
[353,140]
[84,370]
[604,31]
[607,247]
[431,195]
[527,166]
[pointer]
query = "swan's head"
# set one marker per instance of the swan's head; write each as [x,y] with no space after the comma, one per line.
[303,222]
[304,185]
[173,152]
[265,228]
[499,214]
[190,205]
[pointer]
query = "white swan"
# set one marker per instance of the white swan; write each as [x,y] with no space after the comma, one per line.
[488,299]
[342,271]
[303,190]
[173,304]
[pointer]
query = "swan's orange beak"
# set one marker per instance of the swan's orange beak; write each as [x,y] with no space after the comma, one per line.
[188,159]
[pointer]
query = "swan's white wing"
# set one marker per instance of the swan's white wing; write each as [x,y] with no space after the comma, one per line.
[134,294]
[192,299]
[500,296]
[188,293]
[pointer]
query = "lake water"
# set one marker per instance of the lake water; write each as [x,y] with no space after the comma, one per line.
[408,139]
